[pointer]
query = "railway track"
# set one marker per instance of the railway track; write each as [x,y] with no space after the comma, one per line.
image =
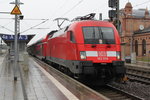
[138,74]
[109,91]
[116,94]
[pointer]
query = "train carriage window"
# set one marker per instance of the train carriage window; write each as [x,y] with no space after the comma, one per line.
[72,39]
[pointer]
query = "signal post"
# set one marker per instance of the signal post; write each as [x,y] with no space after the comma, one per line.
[16,11]
[114,4]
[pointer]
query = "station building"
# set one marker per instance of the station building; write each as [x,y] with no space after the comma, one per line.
[135,31]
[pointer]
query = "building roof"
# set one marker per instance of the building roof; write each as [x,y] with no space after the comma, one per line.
[139,13]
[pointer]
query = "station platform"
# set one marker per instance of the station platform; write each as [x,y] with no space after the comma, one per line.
[34,83]
[139,64]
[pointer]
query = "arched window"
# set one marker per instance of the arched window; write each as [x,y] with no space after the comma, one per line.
[136,47]
[143,47]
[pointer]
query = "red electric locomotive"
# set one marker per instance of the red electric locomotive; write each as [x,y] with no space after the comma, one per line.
[86,47]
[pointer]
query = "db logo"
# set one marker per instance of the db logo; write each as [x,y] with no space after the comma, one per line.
[102,53]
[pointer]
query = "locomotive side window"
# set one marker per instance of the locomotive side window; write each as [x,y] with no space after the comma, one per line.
[98,35]
[72,39]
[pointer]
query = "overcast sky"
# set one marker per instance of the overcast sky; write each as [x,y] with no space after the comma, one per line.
[36,10]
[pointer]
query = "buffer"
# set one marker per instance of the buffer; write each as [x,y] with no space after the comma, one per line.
[16,11]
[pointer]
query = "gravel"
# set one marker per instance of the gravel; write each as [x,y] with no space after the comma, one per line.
[138,89]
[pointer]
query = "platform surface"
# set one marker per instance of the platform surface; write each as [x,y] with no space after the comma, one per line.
[139,64]
[36,84]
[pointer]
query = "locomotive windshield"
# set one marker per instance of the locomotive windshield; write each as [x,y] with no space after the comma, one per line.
[98,35]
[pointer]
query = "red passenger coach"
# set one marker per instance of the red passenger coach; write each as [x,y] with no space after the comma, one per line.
[39,49]
[86,47]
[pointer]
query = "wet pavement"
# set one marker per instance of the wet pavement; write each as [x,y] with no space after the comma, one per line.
[37,86]
[33,83]
[9,90]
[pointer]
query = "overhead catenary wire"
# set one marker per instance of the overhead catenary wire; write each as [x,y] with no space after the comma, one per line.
[60,7]
[36,19]
[6,18]
[35,26]
[72,8]
[8,23]
[55,12]
[141,3]
[23,19]
[32,27]
[6,28]
[40,28]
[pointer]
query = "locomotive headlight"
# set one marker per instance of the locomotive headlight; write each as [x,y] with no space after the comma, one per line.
[118,55]
[82,54]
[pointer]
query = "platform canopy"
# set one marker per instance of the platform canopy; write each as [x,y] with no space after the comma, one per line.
[8,38]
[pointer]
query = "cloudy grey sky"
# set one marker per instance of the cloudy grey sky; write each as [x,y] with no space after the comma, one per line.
[51,9]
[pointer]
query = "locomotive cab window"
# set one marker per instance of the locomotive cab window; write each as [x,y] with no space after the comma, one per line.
[98,35]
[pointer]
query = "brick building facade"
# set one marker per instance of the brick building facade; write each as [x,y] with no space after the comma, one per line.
[135,31]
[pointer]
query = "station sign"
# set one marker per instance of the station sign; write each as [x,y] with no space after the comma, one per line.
[12,37]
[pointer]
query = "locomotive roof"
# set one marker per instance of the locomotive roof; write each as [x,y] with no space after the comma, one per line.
[89,22]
